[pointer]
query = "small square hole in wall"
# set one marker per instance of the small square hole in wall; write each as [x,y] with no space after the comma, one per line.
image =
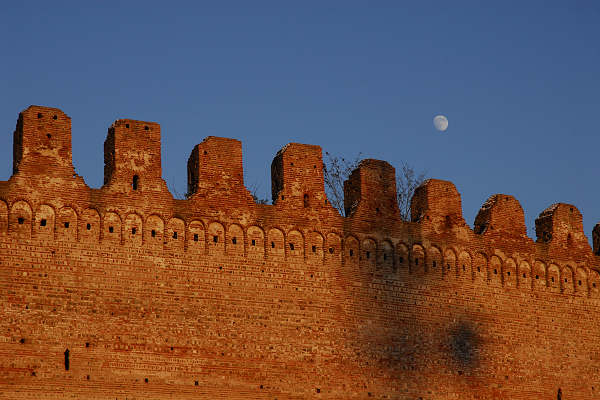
[66,225]
[331,250]
[21,220]
[384,256]
[368,254]
[291,246]
[314,249]
[174,235]
[195,237]
[508,273]
[195,383]
[579,283]
[434,264]
[133,231]
[253,242]
[478,269]
[495,271]
[43,222]
[88,227]
[234,240]
[536,277]
[272,245]
[216,239]
[87,344]
[146,380]
[401,260]
[153,233]
[351,253]
[416,261]
[111,229]
[552,279]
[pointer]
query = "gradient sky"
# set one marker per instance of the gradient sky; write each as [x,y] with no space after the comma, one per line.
[519,82]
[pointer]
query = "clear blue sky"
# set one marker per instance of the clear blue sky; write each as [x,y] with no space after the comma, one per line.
[519,82]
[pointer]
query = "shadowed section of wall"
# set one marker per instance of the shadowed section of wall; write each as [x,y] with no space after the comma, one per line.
[370,191]
[503,215]
[437,203]
[215,173]
[561,225]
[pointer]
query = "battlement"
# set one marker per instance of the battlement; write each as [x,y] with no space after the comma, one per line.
[215,172]
[371,191]
[291,287]
[42,143]
[501,214]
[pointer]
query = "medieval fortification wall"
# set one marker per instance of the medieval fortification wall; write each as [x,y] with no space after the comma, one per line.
[218,297]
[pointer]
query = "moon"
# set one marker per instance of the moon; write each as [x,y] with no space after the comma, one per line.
[440,123]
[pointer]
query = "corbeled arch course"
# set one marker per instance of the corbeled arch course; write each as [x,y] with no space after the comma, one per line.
[234,244]
[449,264]
[368,248]
[351,251]
[333,247]
[509,273]
[153,231]
[539,275]
[256,242]
[581,281]
[524,276]
[553,278]
[434,260]
[315,247]
[386,254]
[133,230]
[20,217]
[43,224]
[402,256]
[295,244]
[111,228]
[417,259]
[480,267]
[464,267]
[66,224]
[90,226]
[196,236]
[276,243]
[495,270]
[567,279]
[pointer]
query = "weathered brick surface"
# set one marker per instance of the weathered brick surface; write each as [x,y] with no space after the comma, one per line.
[217,297]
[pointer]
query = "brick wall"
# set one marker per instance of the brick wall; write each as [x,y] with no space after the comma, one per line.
[218,297]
